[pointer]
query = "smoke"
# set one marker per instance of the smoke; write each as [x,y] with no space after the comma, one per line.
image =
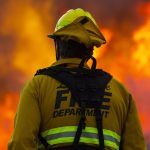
[23,39]
[109,13]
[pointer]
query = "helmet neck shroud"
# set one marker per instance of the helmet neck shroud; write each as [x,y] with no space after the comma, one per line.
[71,49]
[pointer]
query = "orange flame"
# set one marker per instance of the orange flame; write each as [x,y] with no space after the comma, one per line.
[141,56]
[33,46]
[29,27]
[99,52]
[7,109]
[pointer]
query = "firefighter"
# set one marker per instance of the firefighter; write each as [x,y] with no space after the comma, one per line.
[73,106]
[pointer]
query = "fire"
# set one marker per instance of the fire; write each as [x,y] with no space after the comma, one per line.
[99,52]
[140,62]
[33,46]
[141,56]
[29,27]
[7,110]
[25,26]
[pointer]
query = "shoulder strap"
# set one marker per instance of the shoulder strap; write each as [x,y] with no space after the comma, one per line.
[57,73]
[44,142]
[65,76]
[105,78]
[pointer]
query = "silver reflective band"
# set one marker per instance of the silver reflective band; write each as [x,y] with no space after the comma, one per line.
[89,135]
[84,134]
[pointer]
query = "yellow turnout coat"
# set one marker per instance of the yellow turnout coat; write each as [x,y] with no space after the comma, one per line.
[46,106]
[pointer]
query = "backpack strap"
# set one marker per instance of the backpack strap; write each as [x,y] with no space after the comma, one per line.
[44,142]
[99,118]
[81,126]
[105,78]
[59,74]
[65,76]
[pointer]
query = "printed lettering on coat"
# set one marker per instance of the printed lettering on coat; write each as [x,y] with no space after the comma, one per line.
[62,95]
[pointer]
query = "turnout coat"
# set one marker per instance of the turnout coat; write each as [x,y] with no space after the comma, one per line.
[46,107]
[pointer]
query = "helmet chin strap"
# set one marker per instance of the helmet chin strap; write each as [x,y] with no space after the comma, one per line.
[56,50]
[59,47]
[85,59]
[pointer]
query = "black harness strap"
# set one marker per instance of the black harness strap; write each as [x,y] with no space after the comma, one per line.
[99,124]
[81,126]
[44,142]
[72,78]
[99,128]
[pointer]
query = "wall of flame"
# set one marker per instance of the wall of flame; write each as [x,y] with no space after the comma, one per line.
[24,48]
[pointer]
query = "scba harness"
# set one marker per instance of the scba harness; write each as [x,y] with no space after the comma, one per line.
[87,88]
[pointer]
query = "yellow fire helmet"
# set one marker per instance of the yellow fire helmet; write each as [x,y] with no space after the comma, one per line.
[80,26]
